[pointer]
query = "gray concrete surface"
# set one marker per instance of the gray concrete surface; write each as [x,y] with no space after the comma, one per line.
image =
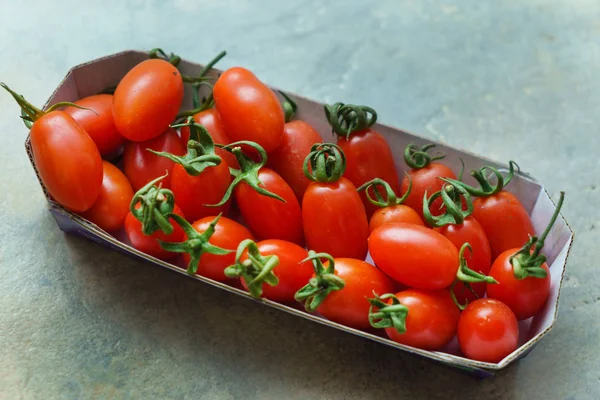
[509,80]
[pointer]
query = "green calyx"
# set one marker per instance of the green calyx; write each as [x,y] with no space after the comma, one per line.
[174,60]
[379,186]
[255,270]
[487,187]
[452,196]
[327,163]
[196,243]
[30,113]
[346,119]
[467,276]
[527,263]
[289,107]
[417,157]
[324,282]
[387,315]
[155,206]
[201,150]
[248,171]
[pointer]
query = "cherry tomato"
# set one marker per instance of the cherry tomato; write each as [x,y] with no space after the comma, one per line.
[525,297]
[291,272]
[431,319]
[479,260]
[426,180]
[413,255]
[288,159]
[270,218]
[504,220]
[112,205]
[249,110]
[334,219]
[211,120]
[397,213]
[98,122]
[487,331]
[346,303]
[141,166]
[228,235]
[66,158]
[368,155]
[149,244]
[147,100]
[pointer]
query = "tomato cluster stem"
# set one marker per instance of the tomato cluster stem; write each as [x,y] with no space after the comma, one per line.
[452,196]
[256,270]
[346,119]
[487,188]
[467,276]
[155,206]
[527,263]
[324,282]
[377,186]
[385,315]
[327,163]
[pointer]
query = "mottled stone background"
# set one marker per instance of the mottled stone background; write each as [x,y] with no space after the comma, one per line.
[506,79]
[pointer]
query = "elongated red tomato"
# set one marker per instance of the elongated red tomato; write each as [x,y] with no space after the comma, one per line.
[112,205]
[147,100]
[193,193]
[346,303]
[425,179]
[334,219]
[66,158]
[142,166]
[98,122]
[368,155]
[292,273]
[228,235]
[430,319]
[487,331]
[270,218]
[249,110]
[415,256]
[149,243]
[504,220]
[397,213]
[211,120]
[525,297]
[288,159]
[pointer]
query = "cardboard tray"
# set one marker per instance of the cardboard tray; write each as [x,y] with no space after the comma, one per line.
[92,77]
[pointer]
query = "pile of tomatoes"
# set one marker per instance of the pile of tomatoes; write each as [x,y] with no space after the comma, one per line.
[246,193]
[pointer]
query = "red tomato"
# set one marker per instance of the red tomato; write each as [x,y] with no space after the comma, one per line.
[149,244]
[98,122]
[397,213]
[270,218]
[112,205]
[248,108]
[349,306]
[147,100]
[479,260]
[504,220]
[431,319]
[415,256]
[368,156]
[211,120]
[525,297]
[291,271]
[334,219]
[228,235]
[66,158]
[141,166]
[288,159]
[426,180]
[194,192]
[487,331]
